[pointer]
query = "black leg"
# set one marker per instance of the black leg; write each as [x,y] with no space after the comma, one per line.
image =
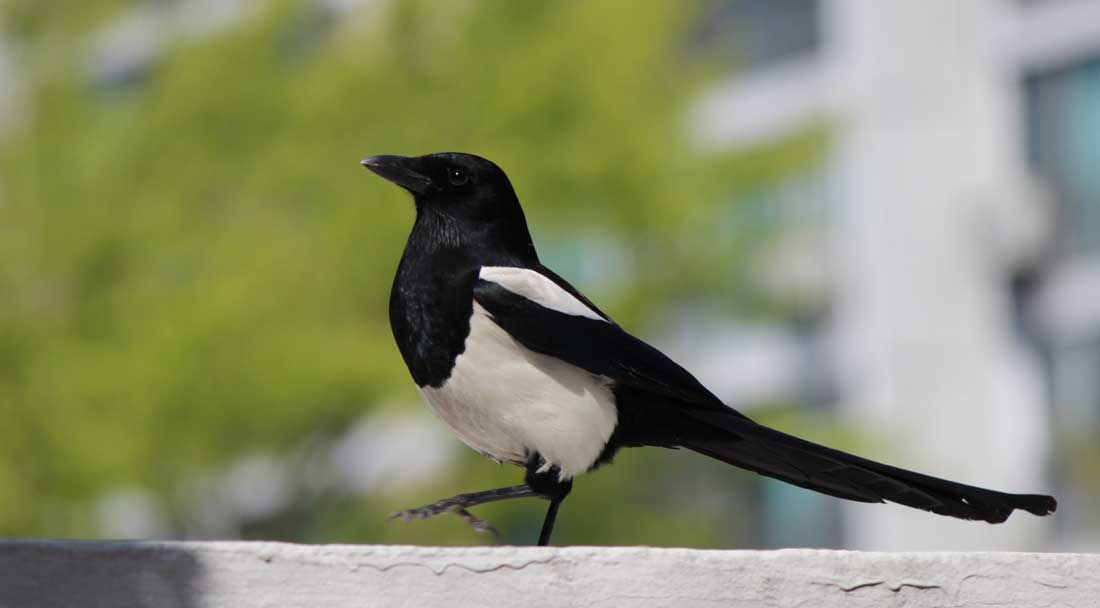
[548,486]
[548,523]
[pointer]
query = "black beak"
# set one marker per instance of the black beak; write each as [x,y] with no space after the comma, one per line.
[400,170]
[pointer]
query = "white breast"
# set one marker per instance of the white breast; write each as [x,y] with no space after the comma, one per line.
[509,402]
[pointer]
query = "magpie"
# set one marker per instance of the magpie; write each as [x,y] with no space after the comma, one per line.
[526,370]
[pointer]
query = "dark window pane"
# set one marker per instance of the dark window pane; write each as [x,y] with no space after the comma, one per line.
[1064,130]
[757,32]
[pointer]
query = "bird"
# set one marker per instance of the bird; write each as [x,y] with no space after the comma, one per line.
[527,370]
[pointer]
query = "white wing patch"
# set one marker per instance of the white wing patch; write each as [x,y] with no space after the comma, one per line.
[538,289]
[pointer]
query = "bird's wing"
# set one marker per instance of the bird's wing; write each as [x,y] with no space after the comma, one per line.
[665,405]
[547,315]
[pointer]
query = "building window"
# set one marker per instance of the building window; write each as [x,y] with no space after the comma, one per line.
[1063,108]
[761,32]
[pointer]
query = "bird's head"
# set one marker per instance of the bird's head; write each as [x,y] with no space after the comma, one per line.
[450,182]
[461,199]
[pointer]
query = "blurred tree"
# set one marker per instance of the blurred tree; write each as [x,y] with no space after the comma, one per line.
[194,267]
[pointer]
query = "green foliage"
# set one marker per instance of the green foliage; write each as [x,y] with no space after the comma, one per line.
[194,266]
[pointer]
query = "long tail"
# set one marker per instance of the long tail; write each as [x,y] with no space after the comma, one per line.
[809,465]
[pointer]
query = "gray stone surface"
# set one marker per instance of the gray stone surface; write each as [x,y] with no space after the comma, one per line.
[253,575]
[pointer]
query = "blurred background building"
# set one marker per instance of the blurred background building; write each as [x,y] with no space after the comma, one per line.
[873,224]
[952,258]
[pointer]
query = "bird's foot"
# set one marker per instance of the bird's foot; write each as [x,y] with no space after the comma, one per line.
[459,505]
[447,506]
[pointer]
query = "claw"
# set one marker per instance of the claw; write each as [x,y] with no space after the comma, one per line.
[444,506]
[480,525]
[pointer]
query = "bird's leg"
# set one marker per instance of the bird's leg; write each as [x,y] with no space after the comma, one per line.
[548,522]
[549,486]
[545,484]
[459,504]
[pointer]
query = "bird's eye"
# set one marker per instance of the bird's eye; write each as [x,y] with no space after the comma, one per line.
[457,177]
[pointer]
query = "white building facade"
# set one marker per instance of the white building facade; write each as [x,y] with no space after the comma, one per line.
[958,256]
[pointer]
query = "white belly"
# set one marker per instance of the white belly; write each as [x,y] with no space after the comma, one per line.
[508,402]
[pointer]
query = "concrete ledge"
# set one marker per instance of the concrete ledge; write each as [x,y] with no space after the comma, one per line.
[248,575]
